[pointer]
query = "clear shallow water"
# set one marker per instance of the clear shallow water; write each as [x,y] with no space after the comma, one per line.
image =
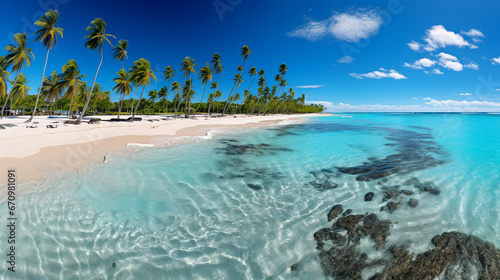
[243,206]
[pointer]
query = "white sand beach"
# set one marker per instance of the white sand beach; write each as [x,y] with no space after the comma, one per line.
[34,151]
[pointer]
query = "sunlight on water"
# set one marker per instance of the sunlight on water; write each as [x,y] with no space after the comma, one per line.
[247,205]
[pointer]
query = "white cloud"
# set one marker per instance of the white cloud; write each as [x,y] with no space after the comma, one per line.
[414,98]
[349,27]
[346,59]
[419,64]
[473,33]
[464,94]
[437,72]
[472,65]
[455,103]
[438,37]
[449,61]
[383,73]
[415,46]
[496,60]
[310,86]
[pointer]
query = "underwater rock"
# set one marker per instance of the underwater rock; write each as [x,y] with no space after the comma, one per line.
[347,212]
[369,196]
[294,267]
[334,212]
[413,203]
[255,186]
[330,185]
[391,206]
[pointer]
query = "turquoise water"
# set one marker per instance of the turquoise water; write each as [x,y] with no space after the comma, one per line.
[245,205]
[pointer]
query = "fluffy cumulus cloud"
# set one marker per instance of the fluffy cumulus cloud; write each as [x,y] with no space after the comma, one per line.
[380,74]
[438,37]
[449,61]
[349,27]
[310,86]
[437,72]
[346,59]
[420,64]
[496,60]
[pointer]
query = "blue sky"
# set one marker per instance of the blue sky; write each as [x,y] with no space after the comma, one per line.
[378,55]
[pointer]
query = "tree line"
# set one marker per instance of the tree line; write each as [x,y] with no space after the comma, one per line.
[67,91]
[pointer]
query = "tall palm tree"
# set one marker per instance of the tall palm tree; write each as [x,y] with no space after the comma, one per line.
[97,95]
[188,68]
[168,73]
[17,56]
[205,76]
[245,52]
[141,74]
[122,87]
[4,77]
[211,96]
[163,95]
[177,99]
[52,88]
[47,34]
[71,81]
[261,84]
[153,94]
[96,37]
[120,51]
[19,89]
[218,68]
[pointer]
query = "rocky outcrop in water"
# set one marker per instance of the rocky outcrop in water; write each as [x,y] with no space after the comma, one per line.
[455,256]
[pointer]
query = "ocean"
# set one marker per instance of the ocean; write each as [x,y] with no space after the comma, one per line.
[246,204]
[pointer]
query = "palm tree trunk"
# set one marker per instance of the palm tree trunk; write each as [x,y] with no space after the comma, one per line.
[79,120]
[120,105]
[39,89]
[202,97]
[132,107]
[138,102]
[10,92]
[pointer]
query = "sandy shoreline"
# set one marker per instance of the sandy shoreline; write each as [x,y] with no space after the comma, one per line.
[33,152]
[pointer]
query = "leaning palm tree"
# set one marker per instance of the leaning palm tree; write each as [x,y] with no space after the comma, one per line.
[4,77]
[261,84]
[17,56]
[188,68]
[168,73]
[96,37]
[141,74]
[211,96]
[177,99]
[47,34]
[19,90]
[52,88]
[205,76]
[120,51]
[245,52]
[122,87]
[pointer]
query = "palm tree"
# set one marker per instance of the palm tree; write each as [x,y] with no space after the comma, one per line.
[167,74]
[177,99]
[217,62]
[51,88]
[122,87]
[47,34]
[261,84]
[71,80]
[97,95]
[211,96]
[245,52]
[153,94]
[96,37]
[188,68]
[19,90]
[163,95]
[17,57]
[4,77]
[205,76]
[120,51]
[141,74]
